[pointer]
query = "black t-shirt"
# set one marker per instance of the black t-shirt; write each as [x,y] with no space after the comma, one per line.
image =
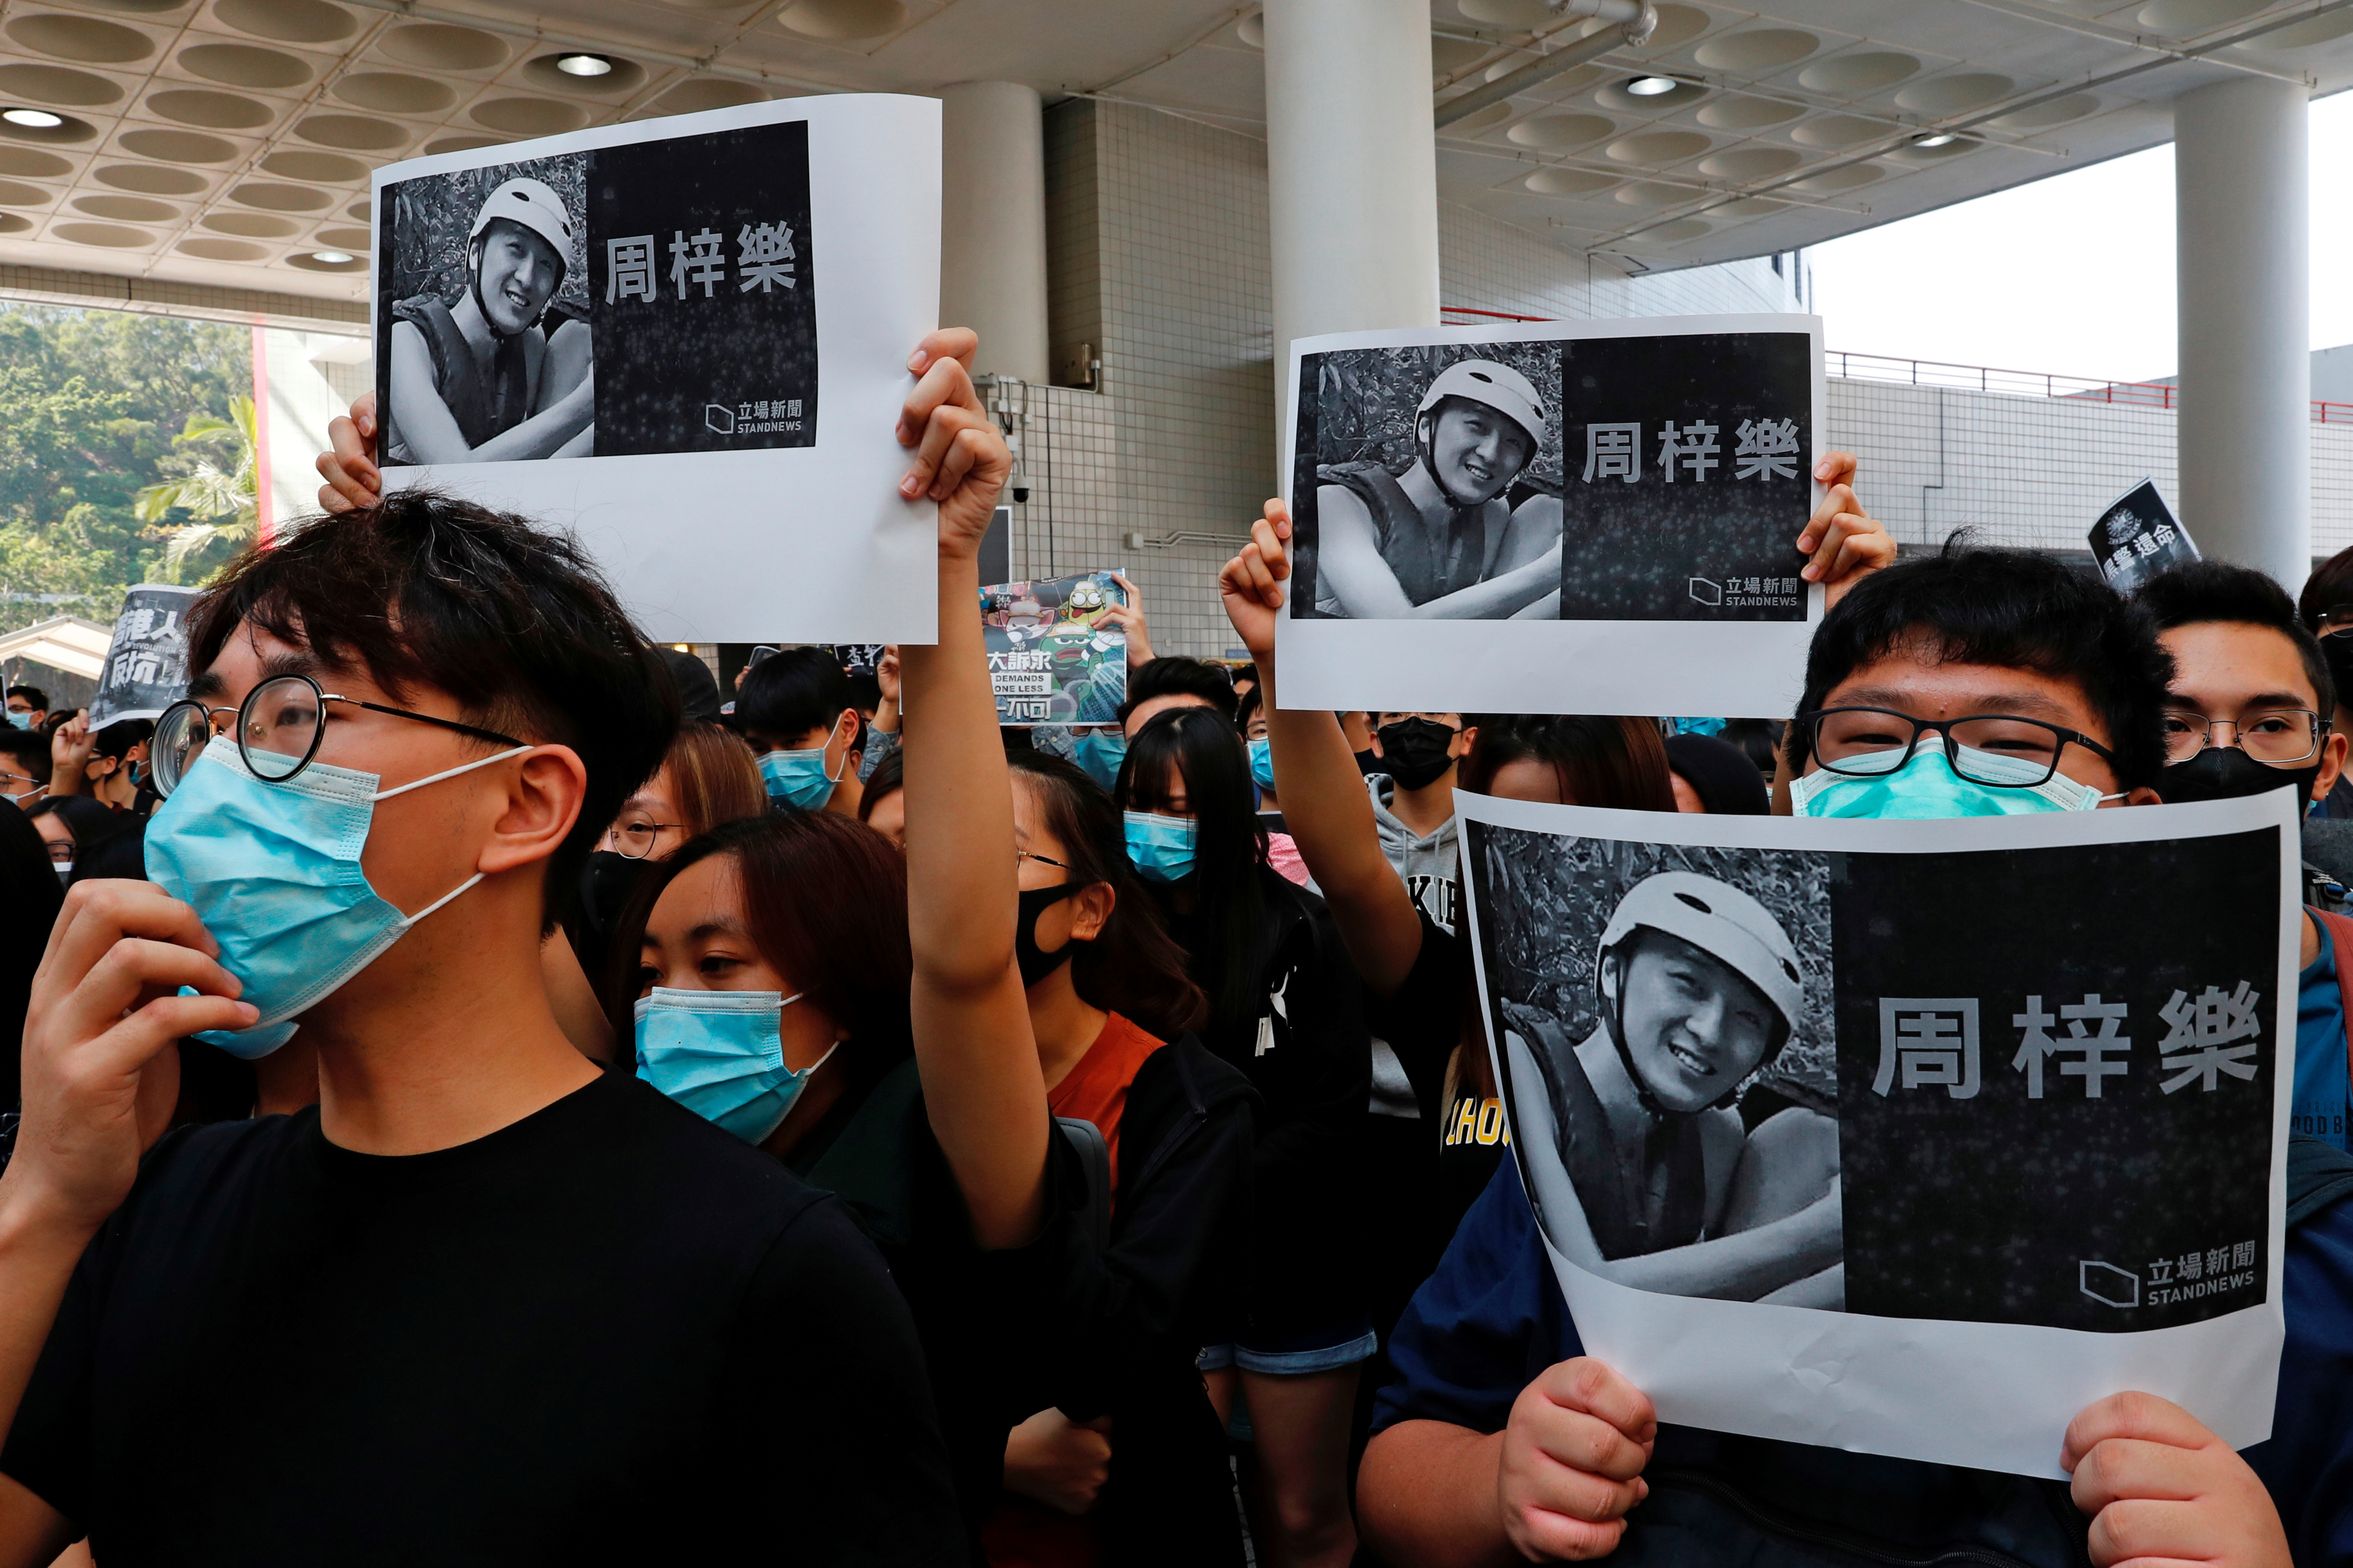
[607,1333]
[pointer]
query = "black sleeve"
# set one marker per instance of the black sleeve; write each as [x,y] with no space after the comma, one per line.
[832,1442]
[49,1447]
[1169,1259]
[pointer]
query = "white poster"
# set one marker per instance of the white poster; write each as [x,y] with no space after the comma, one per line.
[687,340]
[1586,516]
[1913,1138]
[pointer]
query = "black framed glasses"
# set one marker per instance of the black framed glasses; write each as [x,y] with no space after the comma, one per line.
[2002,751]
[2333,621]
[636,840]
[1041,860]
[278,729]
[2281,737]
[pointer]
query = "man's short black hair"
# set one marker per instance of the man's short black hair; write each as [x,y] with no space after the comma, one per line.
[2197,591]
[793,692]
[2329,586]
[2008,608]
[33,695]
[28,750]
[512,620]
[117,738]
[1176,676]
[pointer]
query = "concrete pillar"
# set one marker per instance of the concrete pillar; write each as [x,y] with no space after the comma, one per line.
[2241,253]
[993,224]
[1352,167]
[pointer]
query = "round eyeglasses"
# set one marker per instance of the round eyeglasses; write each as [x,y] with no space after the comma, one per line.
[278,729]
[635,839]
[1998,750]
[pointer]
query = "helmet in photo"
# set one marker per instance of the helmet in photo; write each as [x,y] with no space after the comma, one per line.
[1498,386]
[1722,921]
[535,205]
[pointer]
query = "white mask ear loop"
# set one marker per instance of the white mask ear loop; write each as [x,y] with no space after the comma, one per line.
[437,778]
[453,773]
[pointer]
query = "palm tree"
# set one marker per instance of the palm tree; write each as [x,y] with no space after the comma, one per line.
[223,499]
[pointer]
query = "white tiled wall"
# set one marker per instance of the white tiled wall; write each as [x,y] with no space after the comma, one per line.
[2031,471]
[1157,258]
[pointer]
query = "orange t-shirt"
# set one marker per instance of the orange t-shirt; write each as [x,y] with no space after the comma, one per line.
[1095,1089]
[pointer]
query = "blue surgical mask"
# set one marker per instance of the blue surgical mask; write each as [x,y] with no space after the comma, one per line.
[1161,847]
[718,1054]
[1102,753]
[20,721]
[1927,786]
[1261,754]
[799,779]
[272,868]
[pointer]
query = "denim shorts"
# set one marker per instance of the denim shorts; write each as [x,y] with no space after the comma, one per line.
[1326,1349]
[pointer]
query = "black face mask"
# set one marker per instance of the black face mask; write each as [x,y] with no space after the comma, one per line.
[2226,773]
[2338,647]
[1414,751]
[605,883]
[1036,965]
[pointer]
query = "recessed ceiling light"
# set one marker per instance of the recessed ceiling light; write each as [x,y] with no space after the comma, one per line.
[1934,138]
[33,118]
[332,258]
[583,65]
[1652,85]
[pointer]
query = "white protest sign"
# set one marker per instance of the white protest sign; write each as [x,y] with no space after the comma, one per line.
[1941,1131]
[1588,517]
[686,339]
[147,662]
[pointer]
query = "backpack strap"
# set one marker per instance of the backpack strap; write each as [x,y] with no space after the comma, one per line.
[2338,929]
[2319,1174]
[1094,1157]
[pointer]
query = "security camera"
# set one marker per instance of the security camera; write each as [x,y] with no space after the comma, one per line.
[1021,494]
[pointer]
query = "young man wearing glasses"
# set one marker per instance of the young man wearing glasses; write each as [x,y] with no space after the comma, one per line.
[484,1303]
[2250,710]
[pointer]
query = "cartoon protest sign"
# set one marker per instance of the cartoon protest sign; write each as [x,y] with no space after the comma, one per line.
[2137,537]
[687,340]
[1586,516]
[147,661]
[1913,1138]
[1054,655]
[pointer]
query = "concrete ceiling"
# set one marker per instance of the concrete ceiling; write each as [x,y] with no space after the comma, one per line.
[228,141]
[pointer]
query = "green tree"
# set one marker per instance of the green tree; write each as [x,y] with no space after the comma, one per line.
[222,498]
[92,405]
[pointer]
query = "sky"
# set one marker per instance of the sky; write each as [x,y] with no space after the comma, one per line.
[2072,274]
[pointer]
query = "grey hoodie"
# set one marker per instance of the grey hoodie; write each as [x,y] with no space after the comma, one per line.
[1428,865]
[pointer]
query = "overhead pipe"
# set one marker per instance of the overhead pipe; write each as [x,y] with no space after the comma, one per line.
[1636,21]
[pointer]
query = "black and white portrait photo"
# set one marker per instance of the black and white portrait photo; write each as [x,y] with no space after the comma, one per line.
[488,349]
[654,297]
[1642,994]
[1430,485]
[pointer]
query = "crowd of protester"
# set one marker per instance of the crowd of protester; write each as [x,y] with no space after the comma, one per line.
[473,1095]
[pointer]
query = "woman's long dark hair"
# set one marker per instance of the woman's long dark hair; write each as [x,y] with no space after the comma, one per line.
[825,900]
[1598,761]
[1133,968]
[1228,848]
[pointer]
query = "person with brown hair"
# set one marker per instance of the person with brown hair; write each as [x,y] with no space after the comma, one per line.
[1112,1007]
[706,778]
